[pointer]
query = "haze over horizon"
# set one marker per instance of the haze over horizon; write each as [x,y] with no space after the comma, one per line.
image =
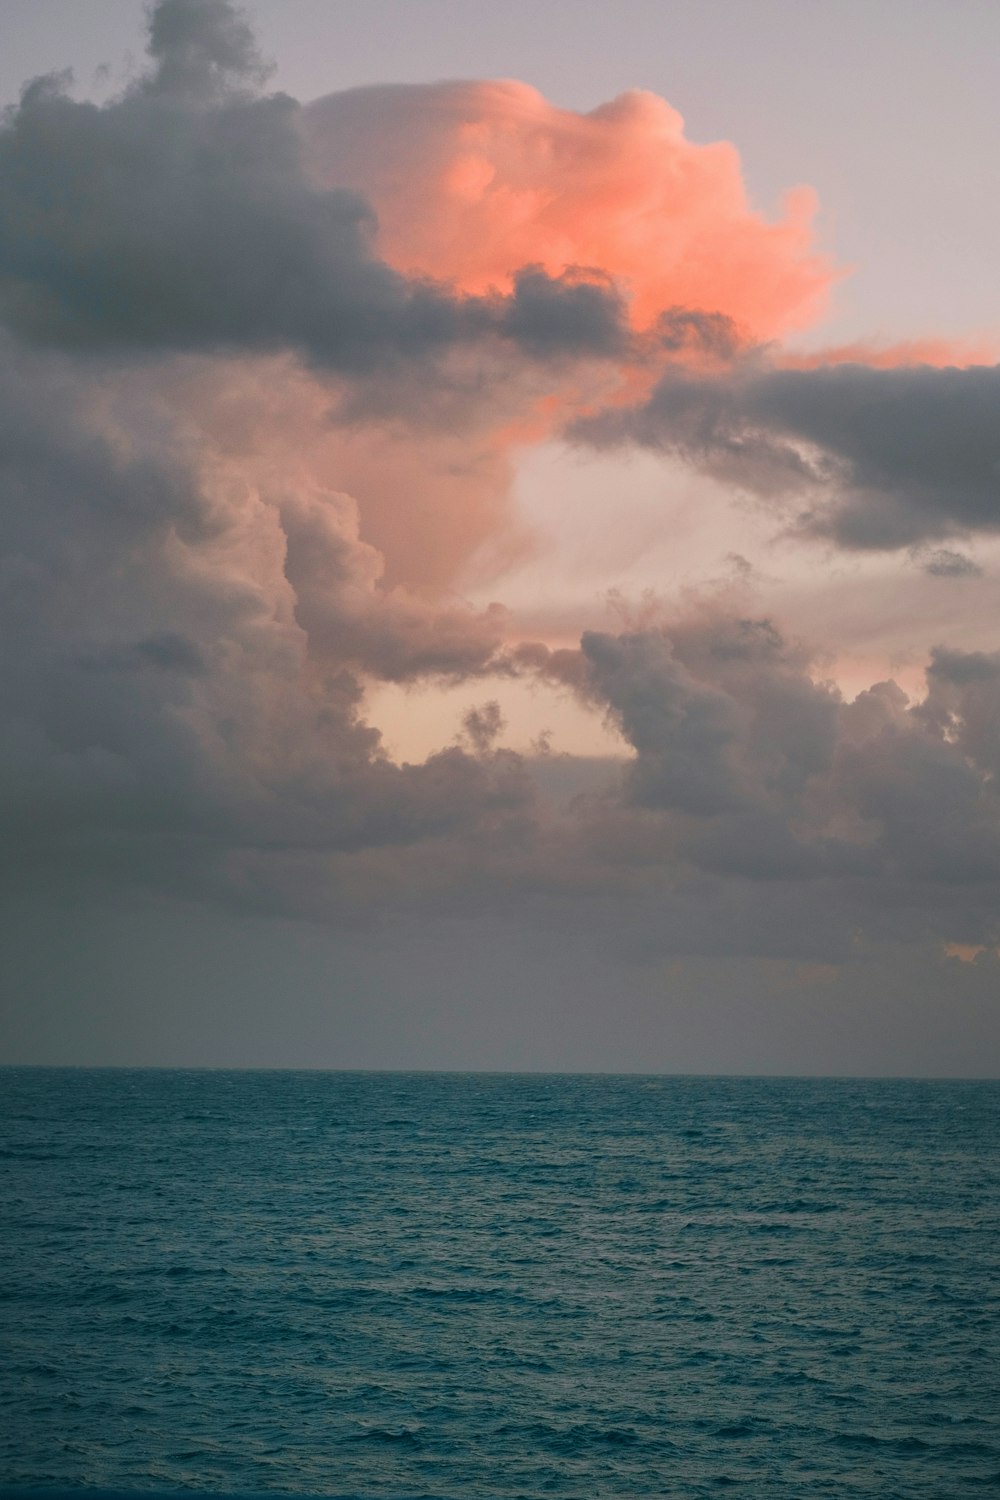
[495,577]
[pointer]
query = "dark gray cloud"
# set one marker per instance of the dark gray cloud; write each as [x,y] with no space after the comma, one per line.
[564,315]
[943,562]
[181,216]
[201,47]
[692,331]
[748,768]
[722,713]
[872,459]
[683,730]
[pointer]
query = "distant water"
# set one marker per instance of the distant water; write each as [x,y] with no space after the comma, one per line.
[476,1286]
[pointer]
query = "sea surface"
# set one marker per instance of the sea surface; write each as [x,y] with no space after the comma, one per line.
[475,1286]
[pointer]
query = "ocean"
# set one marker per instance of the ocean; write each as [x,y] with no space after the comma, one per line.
[467,1286]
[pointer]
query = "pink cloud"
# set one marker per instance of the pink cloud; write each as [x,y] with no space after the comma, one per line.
[474,180]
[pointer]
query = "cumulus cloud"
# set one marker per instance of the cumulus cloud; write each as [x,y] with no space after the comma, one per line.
[748,766]
[473,180]
[182,679]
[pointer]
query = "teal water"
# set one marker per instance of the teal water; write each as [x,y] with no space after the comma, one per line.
[386,1285]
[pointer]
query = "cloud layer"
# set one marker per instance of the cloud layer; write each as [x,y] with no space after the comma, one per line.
[264,374]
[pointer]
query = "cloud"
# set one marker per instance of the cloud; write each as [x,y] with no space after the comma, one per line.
[190,624]
[184,714]
[202,48]
[181,216]
[473,180]
[938,352]
[182,685]
[748,767]
[871,459]
[945,563]
[250,435]
[482,726]
[349,619]
[196,215]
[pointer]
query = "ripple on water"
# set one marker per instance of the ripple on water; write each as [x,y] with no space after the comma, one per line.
[472,1286]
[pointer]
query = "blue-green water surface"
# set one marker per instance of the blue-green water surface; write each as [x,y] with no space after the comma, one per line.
[387,1285]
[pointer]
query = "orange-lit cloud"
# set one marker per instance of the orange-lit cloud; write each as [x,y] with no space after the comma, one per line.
[472,181]
[967,953]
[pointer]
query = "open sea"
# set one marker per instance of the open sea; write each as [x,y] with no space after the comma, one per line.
[467,1286]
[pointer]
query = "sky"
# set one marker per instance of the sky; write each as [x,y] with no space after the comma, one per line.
[499,548]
